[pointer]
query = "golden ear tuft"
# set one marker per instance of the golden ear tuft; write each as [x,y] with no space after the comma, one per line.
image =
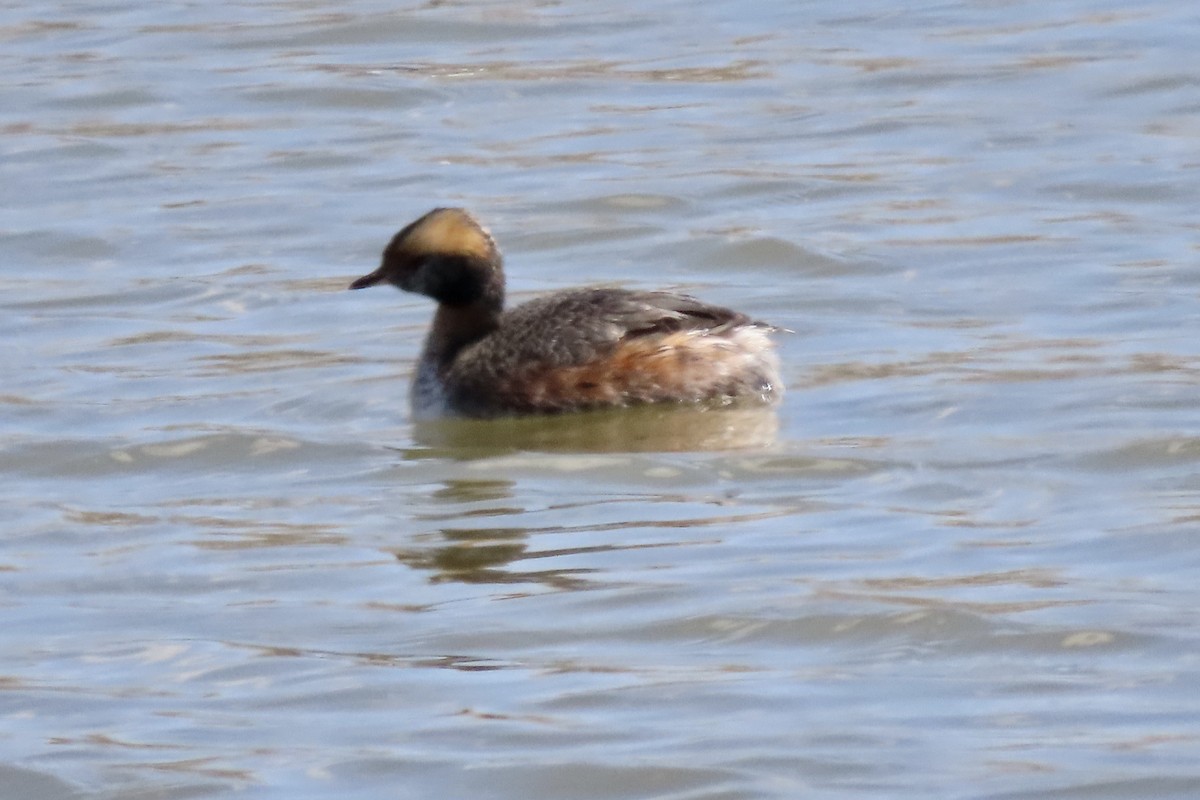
[450,230]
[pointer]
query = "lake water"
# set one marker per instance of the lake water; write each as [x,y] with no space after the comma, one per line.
[959,561]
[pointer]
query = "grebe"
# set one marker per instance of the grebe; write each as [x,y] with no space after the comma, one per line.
[572,350]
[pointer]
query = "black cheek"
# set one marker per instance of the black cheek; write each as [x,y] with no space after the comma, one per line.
[399,269]
[455,280]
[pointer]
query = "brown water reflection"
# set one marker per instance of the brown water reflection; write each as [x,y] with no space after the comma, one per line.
[487,554]
[482,556]
[648,429]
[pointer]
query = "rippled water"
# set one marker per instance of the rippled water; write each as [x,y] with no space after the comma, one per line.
[960,561]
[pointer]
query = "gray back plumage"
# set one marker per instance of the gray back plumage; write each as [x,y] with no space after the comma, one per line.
[574,327]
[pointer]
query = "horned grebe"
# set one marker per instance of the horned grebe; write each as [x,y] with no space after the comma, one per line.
[575,349]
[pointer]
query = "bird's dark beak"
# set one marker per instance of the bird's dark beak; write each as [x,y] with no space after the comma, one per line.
[368,280]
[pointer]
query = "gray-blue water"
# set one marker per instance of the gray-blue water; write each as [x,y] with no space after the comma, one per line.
[960,561]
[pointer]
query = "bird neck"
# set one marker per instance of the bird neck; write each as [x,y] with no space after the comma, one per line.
[456,327]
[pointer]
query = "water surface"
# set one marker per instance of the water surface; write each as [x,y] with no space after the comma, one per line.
[958,561]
